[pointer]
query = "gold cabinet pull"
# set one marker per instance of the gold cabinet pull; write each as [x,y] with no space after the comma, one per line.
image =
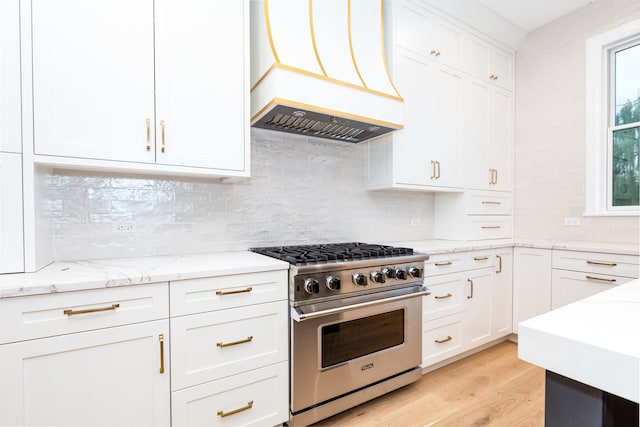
[438,165]
[471,289]
[161,339]
[493,176]
[91,310]
[448,338]
[435,52]
[229,344]
[491,203]
[162,131]
[608,264]
[499,263]
[433,169]
[148,134]
[223,414]
[240,291]
[493,77]
[443,296]
[602,279]
[495,171]
[480,258]
[487,227]
[441,264]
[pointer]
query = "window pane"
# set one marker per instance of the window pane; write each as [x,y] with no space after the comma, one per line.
[626,170]
[627,85]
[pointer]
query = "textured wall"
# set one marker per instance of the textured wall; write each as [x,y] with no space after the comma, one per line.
[550,128]
[301,191]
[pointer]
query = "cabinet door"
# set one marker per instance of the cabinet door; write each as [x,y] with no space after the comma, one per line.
[501,139]
[489,63]
[200,78]
[572,286]
[11,237]
[479,306]
[428,149]
[93,89]
[531,283]
[502,311]
[10,106]
[109,377]
[447,296]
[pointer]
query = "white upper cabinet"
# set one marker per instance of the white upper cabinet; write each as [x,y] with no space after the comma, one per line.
[141,85]
[10,106]
[490,63]
[11,223]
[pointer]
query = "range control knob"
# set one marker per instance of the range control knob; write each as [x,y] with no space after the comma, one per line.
[333,283]
[401,274]
[415,272]
[359,279]
[389,272]
[378,277]
[311,286]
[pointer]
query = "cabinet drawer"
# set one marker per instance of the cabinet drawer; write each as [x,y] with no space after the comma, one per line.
[444,263]
[571,286]
[259,397]
[447,296]
[39,316]
[489,227]
[489,203]
[216,293]
[481,259]
[210,346]
[594,262]
[441,339]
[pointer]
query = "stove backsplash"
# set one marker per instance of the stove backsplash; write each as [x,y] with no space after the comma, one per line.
[299,193]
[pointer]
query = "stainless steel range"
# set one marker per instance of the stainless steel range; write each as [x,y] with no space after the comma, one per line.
[356,316]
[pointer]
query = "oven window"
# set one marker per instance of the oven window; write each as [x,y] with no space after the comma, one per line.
[348,340]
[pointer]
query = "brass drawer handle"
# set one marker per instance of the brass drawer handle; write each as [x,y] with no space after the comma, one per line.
[162,131]
[148,134]
[602,279]
[223,414]
[490,203]
[443,296]
[480,258]
[161,339]
[486,227]
[499,264]
[471,288]
[91,310]
[448,338]
[241,291]
[608,264]
[229,344]
[442,264]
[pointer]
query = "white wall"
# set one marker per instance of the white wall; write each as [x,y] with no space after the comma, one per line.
[301,191]
[550,128]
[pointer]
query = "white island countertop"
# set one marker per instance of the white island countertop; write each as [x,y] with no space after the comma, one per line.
[82,275]
[595,341]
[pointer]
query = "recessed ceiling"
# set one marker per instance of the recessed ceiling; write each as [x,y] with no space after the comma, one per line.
[531,14]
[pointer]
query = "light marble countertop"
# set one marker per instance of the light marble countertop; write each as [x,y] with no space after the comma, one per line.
[82,275]
[595,341]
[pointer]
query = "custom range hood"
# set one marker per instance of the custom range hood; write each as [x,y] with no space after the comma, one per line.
[318,69]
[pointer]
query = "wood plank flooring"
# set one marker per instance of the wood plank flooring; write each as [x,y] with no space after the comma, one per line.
[490,388]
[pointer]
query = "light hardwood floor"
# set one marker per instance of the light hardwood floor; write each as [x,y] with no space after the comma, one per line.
[490,388]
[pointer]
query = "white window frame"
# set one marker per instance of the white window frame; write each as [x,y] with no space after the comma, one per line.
[597,121]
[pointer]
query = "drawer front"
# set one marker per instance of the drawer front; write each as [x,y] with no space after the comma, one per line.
[210,346]
[254,398]
[599,263]
[489,227]
[445,263]
[216,293]
[447,296]
[490,203]
[38,316]
[441,339]
[571,286]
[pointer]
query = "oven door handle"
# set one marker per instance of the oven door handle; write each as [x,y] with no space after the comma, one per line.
[299,316]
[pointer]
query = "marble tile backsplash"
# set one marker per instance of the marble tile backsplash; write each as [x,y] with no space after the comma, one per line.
[301,191]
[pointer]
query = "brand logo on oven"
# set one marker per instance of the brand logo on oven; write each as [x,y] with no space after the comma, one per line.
[367,366]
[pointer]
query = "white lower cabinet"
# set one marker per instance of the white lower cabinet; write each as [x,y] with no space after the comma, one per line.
[531,283]
[115,376]
[577,275]
[469,305]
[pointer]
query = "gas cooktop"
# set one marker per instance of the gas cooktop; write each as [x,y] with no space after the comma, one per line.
[332,252]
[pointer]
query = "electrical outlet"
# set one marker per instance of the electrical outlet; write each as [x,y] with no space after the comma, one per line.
[124,227]
[572,221]
[415,221]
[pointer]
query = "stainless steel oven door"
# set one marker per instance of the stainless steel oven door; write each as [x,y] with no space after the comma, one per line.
[339,347]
